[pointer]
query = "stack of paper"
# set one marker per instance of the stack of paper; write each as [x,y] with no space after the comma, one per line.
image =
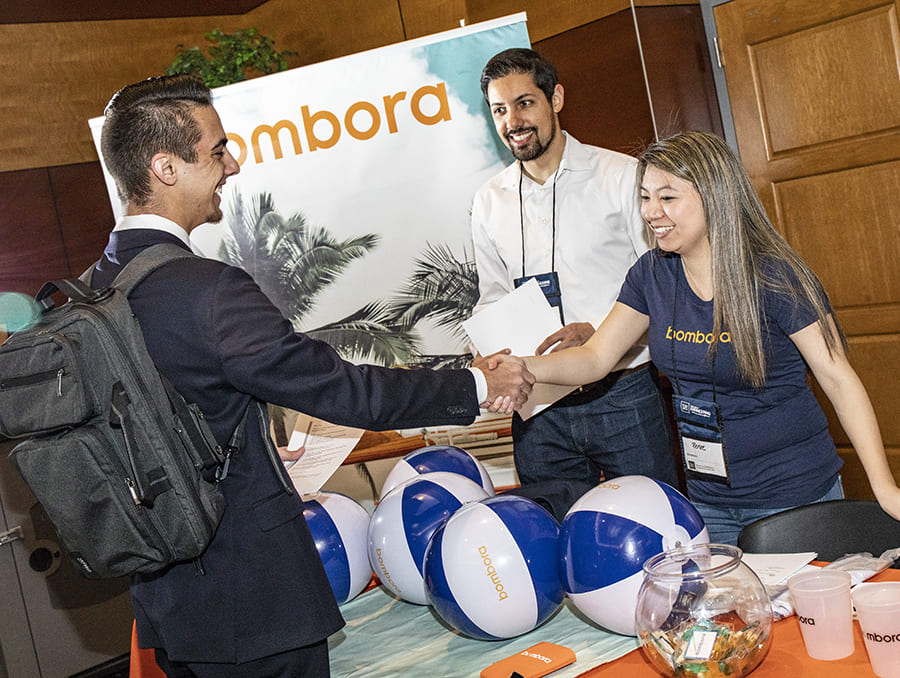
[327,445]
[774,569]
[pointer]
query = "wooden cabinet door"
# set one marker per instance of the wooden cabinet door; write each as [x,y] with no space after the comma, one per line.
[815,91]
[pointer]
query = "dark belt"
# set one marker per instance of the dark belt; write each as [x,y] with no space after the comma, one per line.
[597,389]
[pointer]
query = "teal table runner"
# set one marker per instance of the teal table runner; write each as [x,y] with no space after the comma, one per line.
[386,637]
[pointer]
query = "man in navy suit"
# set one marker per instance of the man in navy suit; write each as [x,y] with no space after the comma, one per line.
[259,603]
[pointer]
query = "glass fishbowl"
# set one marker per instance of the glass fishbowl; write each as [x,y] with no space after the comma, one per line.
[701,612]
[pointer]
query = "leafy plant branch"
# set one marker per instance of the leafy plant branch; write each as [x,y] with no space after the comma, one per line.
[233,57]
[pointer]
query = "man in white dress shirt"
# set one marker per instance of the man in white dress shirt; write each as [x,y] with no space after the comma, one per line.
[567,213]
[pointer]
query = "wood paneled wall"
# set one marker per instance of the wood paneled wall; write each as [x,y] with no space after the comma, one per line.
[54,210]
[56,76]
[54,221]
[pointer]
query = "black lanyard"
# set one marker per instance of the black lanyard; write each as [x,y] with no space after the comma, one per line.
[672,343]
[522,219]
[699,421]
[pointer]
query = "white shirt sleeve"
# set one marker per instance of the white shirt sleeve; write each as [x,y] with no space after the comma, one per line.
[481,388]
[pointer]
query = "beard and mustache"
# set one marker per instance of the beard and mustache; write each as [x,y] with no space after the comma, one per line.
[534,148]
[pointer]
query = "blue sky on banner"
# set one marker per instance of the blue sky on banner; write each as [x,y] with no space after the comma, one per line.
[456,61]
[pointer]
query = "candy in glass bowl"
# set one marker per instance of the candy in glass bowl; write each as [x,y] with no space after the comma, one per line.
[702,613]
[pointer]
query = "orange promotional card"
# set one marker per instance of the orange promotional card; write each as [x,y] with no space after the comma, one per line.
[538,660]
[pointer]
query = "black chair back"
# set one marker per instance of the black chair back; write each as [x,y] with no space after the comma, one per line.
[830,528]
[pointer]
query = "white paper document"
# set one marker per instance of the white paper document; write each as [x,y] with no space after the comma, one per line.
[327,446]
[774,569]
[520,321]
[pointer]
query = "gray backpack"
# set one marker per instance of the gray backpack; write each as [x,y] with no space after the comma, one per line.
[126,470]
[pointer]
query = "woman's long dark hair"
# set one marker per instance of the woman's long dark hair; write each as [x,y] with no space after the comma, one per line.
[745,248]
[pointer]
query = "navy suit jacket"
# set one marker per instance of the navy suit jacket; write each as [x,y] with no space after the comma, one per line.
[218,338]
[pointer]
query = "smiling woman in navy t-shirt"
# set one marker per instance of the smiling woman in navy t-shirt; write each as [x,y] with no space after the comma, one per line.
[734,319]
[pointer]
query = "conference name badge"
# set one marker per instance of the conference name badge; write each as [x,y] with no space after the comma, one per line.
[702,438]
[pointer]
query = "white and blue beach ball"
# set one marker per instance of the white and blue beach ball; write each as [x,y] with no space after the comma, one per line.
[607,535]
[438,458]
[491,571]
[403,522]
[339,526]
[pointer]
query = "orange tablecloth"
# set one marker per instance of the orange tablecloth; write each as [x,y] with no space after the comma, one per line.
[786,657]
[143,662]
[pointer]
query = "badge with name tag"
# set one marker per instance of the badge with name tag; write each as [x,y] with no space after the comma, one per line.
[549,284]
[702,438]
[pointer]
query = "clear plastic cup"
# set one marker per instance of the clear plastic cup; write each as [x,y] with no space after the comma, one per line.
[878,608]
[822,602]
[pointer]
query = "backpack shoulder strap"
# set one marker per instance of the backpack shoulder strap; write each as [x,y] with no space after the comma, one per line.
[146,262]
[196,429]
[128,278]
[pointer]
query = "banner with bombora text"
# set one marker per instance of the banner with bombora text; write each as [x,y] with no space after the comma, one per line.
[351,209]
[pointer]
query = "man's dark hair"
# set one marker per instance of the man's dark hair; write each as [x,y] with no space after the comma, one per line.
[146,118]
[520,60]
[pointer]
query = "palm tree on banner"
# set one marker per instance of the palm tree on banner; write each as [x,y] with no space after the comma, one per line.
[293,263]
[442,289]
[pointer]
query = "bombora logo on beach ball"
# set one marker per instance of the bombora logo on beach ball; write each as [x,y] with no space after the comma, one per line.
[490,570]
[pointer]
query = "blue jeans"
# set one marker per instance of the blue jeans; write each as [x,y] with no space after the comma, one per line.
[618,427]
[724,524]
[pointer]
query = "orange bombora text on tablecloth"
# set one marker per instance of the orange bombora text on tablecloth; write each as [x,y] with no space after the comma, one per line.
[323,129]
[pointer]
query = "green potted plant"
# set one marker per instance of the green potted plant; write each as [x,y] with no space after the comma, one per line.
[232,57]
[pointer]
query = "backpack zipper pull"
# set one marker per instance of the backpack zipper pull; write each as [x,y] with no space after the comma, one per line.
[59,376]
[131,488]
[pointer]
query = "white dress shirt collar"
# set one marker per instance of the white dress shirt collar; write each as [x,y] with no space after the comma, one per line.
[153,222]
